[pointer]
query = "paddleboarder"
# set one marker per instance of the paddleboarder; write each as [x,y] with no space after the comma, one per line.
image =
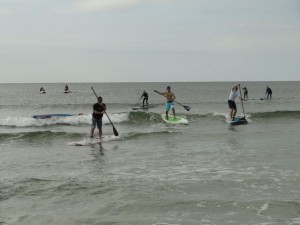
[245,92]
[170,101]
[145,98]
[269,93]
[98,111]
[66,88]
[231,101]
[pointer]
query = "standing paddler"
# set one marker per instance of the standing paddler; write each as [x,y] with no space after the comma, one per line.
[170,101]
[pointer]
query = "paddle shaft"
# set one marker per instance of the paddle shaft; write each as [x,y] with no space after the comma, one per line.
[184,106]
[138,100]
[114,129]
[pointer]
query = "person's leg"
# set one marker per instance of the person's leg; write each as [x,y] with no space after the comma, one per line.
[92,132]
[230,114]
[100,135]
[144,102]
[93,128]
[174,112]
[167,114]
[233,113]
[168,106]
[99,125]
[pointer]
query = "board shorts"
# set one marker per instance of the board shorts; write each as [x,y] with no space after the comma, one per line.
[231,104]
[98,122]
[169,105]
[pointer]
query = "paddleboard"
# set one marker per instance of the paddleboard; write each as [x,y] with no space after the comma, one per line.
[237,121]
[66,91]
[43,92]
[94,141]
[176,120]
[141,107]
[45,116]
[87,142]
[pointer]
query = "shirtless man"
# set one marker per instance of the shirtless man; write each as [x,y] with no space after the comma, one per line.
[170,101]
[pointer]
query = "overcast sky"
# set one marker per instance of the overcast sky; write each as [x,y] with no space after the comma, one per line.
[149,40]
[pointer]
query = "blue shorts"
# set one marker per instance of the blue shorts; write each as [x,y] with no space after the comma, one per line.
[169,105]
[97,122]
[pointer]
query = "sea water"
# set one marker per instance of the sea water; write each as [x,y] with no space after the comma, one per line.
[153,173]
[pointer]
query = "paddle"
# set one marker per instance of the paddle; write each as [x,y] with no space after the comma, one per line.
[137,102]
[114,129]
[184,106]
[242,101]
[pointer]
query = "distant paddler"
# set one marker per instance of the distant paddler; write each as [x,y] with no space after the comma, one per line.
[170,97]
[145,98]
[42,90]
[66,89]
[268,93]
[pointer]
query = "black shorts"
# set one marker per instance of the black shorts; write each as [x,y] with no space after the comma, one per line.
[231,104]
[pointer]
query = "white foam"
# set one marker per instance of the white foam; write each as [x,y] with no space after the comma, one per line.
[69,120]
[87,141]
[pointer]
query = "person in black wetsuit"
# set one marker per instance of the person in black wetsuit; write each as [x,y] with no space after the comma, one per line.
[66,88]
[145,99]
[245,92]
[269,93]
[98,111]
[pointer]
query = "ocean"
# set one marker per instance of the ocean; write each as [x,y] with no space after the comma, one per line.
[153,173]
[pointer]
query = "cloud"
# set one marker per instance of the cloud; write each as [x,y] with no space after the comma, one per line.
[102,5]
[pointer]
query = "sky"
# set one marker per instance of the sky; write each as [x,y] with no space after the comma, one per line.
[45,41]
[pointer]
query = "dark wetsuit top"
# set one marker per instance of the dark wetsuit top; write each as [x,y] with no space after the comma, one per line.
[98,108]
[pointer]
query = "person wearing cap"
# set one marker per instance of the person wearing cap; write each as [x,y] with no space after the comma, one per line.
[98,111]
[170,101]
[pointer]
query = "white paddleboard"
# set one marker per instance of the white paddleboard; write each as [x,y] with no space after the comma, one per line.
[176,120]
[86,142]
[94,141]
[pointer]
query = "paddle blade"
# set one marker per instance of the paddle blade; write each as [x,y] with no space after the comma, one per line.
[187,108]
[115,131]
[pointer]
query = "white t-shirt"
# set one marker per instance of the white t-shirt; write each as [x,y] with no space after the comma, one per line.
[233,95]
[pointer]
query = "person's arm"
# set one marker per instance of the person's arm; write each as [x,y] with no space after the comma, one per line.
[102,112]
[161,93]
[173,96]
[236,86]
